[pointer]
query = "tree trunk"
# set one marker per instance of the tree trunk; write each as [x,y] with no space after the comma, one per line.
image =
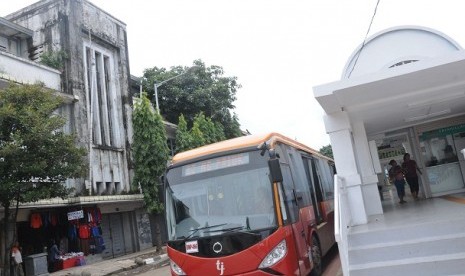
[158,234]
[7,242]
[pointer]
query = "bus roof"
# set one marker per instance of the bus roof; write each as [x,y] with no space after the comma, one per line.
[243,142]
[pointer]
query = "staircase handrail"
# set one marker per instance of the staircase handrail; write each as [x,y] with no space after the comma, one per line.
[342,219]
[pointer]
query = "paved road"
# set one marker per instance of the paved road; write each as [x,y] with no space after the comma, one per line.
[331,264]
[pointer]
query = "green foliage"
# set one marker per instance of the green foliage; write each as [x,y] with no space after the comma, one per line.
[219,132]
[35,155]
[150,152]
[33,147]
[183,137]
[206,127]
[203,132]
[327,151]
[231,126]
[198,138]
[199,89]
[54,59]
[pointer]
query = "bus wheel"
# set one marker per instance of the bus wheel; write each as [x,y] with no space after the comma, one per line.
[316,257]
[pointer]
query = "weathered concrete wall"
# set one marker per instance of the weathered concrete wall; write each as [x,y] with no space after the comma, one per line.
[71,26]
[20,70]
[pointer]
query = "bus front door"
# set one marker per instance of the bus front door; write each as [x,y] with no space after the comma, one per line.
[298,229]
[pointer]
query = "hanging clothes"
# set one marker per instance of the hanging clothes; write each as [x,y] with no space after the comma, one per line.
[97,215]
[95,231]
[36,220]
[72,233]
[84,231]
[53,219]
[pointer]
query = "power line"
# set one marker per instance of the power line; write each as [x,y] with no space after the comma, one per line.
[364,41]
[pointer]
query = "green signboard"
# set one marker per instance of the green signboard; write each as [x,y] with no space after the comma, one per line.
[442,132]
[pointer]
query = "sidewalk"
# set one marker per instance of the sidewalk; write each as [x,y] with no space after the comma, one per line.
[119,264]
[332,266]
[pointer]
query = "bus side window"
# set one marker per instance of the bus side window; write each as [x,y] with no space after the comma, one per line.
[290,200]
[326,179]
[301,184]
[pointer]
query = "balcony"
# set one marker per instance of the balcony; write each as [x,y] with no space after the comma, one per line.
[20,70]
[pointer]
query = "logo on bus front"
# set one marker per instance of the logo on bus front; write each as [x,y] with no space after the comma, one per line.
[217,247]
[220,267]
[192,247]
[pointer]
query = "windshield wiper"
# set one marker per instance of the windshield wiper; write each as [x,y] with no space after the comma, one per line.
[234,229]
[203,228]
[230,229]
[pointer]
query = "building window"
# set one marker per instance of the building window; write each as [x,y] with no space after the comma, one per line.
[101,78]
[440,154]
[100,188]
[10,45]
[118,187]
[403,62]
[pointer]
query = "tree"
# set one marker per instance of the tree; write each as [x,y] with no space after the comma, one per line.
[36,157]
[203,132]
[183,137]
[150,151]
[207,128]
[198,138]
[219,132]
[199,89]
[327,151]
[231,126]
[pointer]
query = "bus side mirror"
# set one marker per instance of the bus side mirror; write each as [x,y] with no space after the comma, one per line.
[275,170]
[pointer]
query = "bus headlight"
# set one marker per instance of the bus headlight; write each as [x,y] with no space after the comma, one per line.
[176,269]
[275,255]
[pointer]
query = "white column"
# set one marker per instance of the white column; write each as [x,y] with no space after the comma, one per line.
[339,129]
[370,191]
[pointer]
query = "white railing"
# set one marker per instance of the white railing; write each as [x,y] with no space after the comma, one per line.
[342,219]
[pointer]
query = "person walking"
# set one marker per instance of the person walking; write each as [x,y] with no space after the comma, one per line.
[17,260]
[396,175]
[410,167]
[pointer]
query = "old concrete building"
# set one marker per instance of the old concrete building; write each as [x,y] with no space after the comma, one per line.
[96,71]
[94,78]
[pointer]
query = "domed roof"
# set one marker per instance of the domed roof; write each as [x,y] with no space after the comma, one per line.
[398,46]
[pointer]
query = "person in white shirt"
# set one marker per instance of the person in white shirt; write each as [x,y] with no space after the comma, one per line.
[17,260]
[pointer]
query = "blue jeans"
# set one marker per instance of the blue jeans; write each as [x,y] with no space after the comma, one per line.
[400,187]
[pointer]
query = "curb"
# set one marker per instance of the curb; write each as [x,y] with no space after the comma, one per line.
[118,265]
[155,261]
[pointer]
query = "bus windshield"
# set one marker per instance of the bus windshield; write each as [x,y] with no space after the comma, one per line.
[219,195]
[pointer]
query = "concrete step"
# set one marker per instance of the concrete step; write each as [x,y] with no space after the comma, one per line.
[414,248]
[406,233]
[447,264]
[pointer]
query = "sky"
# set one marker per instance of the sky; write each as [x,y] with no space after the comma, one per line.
[278,50]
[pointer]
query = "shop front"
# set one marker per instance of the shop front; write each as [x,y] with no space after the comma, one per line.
[436,148]
[75,231]
[440,154]
[84,231]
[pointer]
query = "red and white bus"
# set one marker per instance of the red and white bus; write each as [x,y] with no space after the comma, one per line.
[254,205]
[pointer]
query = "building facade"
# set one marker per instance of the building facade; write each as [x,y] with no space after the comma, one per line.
[401,91]
[408,99]
[94,79]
